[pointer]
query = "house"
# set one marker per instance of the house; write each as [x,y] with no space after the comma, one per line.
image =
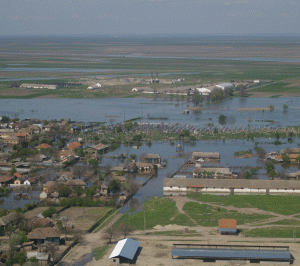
[40,235]
[125,249]
[100,148]
[5,180]
[144,167]
[48,127]
[119,168]
[153,158]
[42,258]
[227,227]
[10,139]
[46,222]
[43,195]
[50,187]
[122,198]
[43,146]
[35,129]
[74,145]
[8,219]
[205,155]
[104,189]
[74,183]
[66,155]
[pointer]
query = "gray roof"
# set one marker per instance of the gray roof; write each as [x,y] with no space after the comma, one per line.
[227,230]
[232,253]
[125,248]
[232,183]
[7,219]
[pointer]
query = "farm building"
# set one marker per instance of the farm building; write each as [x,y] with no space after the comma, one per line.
[205,155]
[125,250]
[225,86]
[231,186]
[39,86]
[249,254]
[227,226]
[205,91]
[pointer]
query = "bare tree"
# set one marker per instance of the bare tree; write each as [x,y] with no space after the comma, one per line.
[110,233]
[125,229]
[133,186]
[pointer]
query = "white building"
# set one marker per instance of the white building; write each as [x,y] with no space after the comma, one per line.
[225,86]
[203,91]
[39,86]
[137,89]
[93,87]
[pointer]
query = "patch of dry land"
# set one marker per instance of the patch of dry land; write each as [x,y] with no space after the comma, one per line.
[84,217]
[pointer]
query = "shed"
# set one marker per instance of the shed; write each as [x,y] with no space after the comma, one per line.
[227,226]
[126,249]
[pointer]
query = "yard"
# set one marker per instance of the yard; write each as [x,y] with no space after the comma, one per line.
[84,217]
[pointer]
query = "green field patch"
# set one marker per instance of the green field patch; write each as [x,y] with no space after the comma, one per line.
[287,222]
[273,232]
[100,252]
[286,205]
[158,211]
[206,215]
[276,87]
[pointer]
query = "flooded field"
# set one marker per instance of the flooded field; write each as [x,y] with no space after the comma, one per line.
[116,110]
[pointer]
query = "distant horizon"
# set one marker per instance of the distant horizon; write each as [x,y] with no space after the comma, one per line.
[161,35]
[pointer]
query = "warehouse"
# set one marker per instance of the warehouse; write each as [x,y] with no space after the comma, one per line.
[125,250]
[249,254]
[39,86]
[231,186]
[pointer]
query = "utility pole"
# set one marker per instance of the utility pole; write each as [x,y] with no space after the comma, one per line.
[144,219]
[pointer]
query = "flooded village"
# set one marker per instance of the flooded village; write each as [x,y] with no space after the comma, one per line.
[62,180]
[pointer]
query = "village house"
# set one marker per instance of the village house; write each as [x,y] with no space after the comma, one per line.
[294,176]
[144,167]
[231,186]
[48,127]
[40,235]
[74,183]
[43,146]
[66,155]
[153,158]
[6,180]
[35,129]
[99,148]
[50,187]
[212,172]
[8,219]
[228,227]
[118,169]
[74,145]
[10,139]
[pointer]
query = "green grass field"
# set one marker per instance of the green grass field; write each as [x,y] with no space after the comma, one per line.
[277,232]
[158,211]
[276,87]
[206,215]
[286,205]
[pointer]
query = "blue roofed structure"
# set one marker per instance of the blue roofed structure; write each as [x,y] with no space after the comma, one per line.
[233,253]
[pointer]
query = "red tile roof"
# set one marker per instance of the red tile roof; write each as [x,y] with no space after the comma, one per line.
[43,146]
[74,145]
[227,223]
[17,175]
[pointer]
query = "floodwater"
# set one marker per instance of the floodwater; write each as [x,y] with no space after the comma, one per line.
[155,186]
[115,110]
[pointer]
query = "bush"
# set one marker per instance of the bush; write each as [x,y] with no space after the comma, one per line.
[49,212]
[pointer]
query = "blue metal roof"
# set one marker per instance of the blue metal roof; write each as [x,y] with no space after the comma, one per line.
[227,230]
[232,253]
